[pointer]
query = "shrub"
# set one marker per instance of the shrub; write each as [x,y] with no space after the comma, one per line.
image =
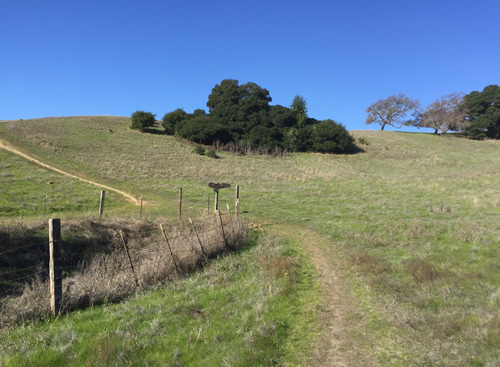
[332,137]
[202,130]
[142,120]
[211,154]
[199,150]
[363,141]
[171,121]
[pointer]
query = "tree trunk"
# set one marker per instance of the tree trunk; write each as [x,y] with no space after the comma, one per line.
[382,129]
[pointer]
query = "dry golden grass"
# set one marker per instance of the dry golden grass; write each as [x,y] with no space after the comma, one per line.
[96,267]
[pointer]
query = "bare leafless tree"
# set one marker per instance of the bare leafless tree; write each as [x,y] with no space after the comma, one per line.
[446,114]
[392,111]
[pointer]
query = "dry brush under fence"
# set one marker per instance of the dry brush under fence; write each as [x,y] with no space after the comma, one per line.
[107,260]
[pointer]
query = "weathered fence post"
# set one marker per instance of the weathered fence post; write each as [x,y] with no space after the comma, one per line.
[169,248]
[222,230]
[230,220]
[129,259]
[101,205]
[180,203]
[216,201]
[55,274]
[237,201]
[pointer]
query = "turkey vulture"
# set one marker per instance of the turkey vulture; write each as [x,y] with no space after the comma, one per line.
[217,186]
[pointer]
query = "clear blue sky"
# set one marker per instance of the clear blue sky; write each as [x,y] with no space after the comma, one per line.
[108,57]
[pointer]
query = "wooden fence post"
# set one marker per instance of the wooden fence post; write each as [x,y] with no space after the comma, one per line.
[101,205]
[55,273]
[180,203]
[230,220]
[222,229]
[216,201]
[237,201]
[169,248]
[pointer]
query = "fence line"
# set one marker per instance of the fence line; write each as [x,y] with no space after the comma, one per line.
[148,261]
[99,204]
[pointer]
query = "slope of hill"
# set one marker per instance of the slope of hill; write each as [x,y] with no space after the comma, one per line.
[412,220]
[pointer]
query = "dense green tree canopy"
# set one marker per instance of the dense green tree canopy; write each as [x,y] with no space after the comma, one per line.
[171,119]
[483,110]
[242,112]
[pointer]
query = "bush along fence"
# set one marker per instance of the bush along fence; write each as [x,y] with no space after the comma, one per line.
[92,261]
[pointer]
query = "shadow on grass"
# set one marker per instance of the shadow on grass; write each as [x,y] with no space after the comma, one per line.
[154,131]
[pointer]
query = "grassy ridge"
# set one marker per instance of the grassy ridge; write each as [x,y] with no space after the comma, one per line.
[414,218]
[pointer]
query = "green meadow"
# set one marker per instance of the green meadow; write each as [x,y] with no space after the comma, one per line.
[413,219]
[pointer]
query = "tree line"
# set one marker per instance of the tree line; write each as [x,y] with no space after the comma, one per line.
[476,114]
[243,113]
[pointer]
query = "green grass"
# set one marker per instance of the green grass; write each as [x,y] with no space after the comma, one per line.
[241,310]
[415,220]
[29,190]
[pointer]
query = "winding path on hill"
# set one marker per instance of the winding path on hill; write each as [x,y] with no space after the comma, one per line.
[14,150]
[332,347]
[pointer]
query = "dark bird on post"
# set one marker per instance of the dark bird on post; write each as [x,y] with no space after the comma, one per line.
[217,186]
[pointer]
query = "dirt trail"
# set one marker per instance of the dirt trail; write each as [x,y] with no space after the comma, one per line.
[332,347]
[338,305]
[12,149]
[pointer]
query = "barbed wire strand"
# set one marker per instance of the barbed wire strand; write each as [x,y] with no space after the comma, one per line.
[19,270]
[23,247]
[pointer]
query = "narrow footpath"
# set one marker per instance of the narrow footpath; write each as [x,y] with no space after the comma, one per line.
[10,148]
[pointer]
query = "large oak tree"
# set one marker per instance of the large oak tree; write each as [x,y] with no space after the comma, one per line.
[393,111]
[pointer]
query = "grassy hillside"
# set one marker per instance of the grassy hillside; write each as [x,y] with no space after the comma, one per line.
[414,220]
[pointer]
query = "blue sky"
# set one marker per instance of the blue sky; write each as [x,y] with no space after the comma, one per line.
[107,57]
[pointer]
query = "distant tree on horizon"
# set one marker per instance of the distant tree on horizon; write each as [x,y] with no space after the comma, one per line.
[445,114]
[142,120]
[299,108]
[483,112]
[392,111]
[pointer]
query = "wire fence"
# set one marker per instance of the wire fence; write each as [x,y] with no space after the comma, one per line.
[133,256]
[50,204]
